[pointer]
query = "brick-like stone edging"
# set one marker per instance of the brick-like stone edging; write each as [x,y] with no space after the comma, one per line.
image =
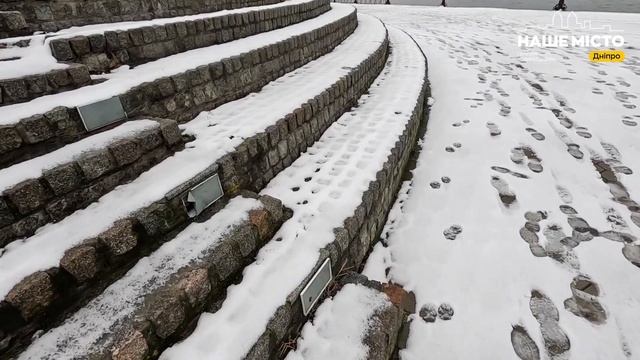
[74,185]
[29,87]
[171,310]
[53,15]
[182,96]
[103,52]
[352,241]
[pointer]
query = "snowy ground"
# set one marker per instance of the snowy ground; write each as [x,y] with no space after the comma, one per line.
[527,179]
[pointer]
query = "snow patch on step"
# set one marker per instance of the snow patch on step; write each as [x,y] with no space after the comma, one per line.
[340,325]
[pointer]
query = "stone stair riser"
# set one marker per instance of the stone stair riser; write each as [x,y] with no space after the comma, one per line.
[103,52]
[352,242]
[61,14]
[181,96]
[25,88]
[68,187]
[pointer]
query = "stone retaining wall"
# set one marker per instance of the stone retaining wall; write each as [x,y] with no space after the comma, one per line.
[30,87]
[12,23]
[181,96]
[53,15]
[71,186]
[103,52]
[352,241]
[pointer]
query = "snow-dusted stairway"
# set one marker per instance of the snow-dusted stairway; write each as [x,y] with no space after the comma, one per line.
[303,112]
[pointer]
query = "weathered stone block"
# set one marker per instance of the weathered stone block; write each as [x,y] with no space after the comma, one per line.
[32,295]
[61,50]
[28,195]
[225,260]
[63,178]
[133,346]
[159,218]
[166,312]
[9,139]
[80,45]
[196,286]
[15,89]
[96,164]
[125,151]
[34,129]
[29,224]
[80,262]
[120,238]
[170,131]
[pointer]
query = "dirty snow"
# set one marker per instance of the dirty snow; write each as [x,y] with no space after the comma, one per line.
[522,143]
[323,187]
[93,326]
[340,325]
[217,133]
[36,58]
[34,168]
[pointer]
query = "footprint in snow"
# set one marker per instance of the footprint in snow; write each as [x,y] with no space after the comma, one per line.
[452,232]
[584,301]
[504,170]
[555,339]
[506,195]
[523,345]
[535,134]
[494,130]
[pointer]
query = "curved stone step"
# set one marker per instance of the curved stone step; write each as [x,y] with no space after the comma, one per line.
[269,128]
[50,187]
[138,315]
[106,50]
[177,87]
[340,191]
[60,14]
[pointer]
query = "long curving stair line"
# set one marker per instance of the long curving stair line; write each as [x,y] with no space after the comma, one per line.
[175,177]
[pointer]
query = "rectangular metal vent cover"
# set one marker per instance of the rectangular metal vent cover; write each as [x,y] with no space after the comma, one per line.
[203,195]
[101,113]
[316,286]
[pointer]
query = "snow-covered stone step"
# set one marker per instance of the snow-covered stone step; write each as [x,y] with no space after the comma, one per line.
[50,187]
[177,87]
[151,40]
[248,140]
[340,191]
[61,14]
[148,308]
[359,322]
[23,89]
